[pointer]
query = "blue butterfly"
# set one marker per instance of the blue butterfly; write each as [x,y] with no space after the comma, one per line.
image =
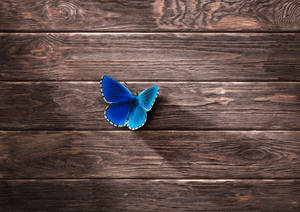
[126,109]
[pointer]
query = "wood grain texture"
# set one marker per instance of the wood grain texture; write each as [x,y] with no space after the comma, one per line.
[79,105]
[149,195]
[58,153]
[152,15]
[144,56]
[149,154]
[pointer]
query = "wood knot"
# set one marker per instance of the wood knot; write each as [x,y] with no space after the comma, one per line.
[174,14]
[40,48]
[33,49]
[253,154]
[61,11]
[288,14]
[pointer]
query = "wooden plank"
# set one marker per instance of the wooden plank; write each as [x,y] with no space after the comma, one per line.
[154,15]
[150,56]
[149,195]
[79,105]
[150,154]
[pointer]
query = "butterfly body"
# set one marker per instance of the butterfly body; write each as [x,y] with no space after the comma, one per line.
[126,109]
[134,102]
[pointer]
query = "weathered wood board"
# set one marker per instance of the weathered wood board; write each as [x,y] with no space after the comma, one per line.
[150,154]
[149,195]
[180,106]
[150,15]
[150,56]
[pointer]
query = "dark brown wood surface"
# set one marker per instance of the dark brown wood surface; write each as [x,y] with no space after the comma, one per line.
[150,154]
[180,105]
[150,15]
[154,56]
[149,195]
[224,134]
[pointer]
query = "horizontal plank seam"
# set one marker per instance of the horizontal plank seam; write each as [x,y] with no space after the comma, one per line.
[143,81]
[147,130]
[148,32]
[157,179]
[147,81]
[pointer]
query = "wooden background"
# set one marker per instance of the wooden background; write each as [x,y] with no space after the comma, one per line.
[224,134]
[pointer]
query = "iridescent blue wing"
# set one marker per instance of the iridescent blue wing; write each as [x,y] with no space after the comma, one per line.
[119,97]
[113,91]
[117,114]
[137,117]
[147,97]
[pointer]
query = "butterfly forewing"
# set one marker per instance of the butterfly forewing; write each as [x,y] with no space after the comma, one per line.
[113,91]
[147,97]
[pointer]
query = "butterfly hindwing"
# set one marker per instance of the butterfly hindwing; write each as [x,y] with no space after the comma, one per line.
[147,97]
[113,91]
[117,114]
[137,117]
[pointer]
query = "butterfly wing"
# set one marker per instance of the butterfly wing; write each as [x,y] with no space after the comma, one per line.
[119,97]
[117,114]
[137,117]
[147,97]
[113,91]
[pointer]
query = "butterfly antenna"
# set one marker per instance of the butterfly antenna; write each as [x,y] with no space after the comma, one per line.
[136,93]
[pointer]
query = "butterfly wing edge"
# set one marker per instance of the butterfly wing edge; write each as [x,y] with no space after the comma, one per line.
[141,124]
[124,125]
[101,89]
[154,97]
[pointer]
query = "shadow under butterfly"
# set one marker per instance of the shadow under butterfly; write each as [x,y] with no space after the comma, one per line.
[126,109]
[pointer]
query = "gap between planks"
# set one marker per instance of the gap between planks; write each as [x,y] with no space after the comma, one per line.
[145,81]
[147,32]
[157,179]
[148,130]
